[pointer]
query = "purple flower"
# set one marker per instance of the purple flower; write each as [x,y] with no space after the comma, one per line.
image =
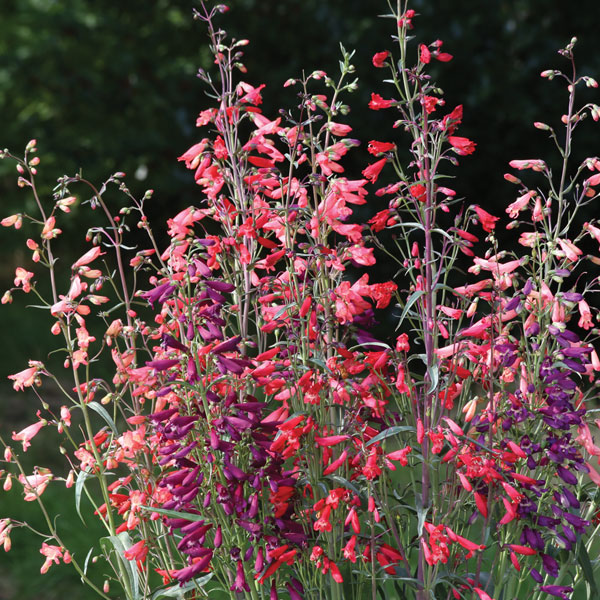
[188,573]
[160,293]
[162,364]
[566,475]
[558,591]
[550,565]
[220,286]
[240,584]
[227,345]
[536,575]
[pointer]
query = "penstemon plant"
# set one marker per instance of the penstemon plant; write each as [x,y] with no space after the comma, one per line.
[256,439]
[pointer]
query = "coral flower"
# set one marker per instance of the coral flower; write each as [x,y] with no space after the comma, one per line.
[27,434]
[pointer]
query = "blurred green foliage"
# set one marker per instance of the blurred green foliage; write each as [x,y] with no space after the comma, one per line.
[110,86]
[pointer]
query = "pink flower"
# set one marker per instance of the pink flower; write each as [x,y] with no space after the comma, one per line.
[34,485]
[5,528]
[52,554]
[572,252]
[594,231]
[16,220]
[585,321]
[88,257]
[586,440]
[193,155]
[49,231]
[519,204]
[27,377]
[23,277]
[379,59]
[27,434]
[530,163]
[339,129]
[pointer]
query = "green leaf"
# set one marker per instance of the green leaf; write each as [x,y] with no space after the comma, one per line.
[179,591]
[128,569]
[586,566]
[79,486]
[389,432]
[413,298]
[421,515]
[434,375]
[104,414]
[174,514]
[87,561]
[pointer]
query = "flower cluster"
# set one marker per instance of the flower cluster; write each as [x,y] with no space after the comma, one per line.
[257,436]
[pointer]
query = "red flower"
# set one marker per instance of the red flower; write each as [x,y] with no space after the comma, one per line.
[430,103]
[424,54]
[488,222]
[462,145]
[138,551]
[377,102]
[372,171]
[443,56]
[379,58]
[375,148]
[418,191]
[451,121]
[380,220]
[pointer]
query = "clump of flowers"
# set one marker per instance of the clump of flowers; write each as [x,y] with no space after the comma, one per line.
[257,437]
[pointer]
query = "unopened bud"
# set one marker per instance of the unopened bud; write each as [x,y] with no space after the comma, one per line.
[542,126]
[511,178]
[106,399]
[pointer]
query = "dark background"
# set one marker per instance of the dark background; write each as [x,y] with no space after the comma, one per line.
[110,86]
